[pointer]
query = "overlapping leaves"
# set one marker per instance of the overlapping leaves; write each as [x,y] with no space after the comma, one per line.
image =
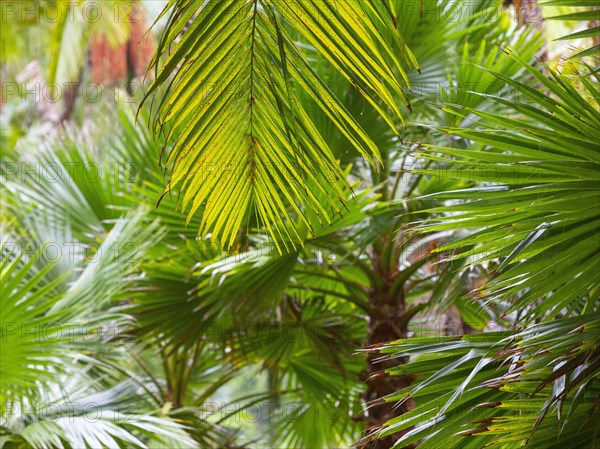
[537,204]
[504,389]
[54,340]
[590,13]
[244,143]
[533,214]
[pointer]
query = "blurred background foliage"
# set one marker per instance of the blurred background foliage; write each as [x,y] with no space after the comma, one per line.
[446,297]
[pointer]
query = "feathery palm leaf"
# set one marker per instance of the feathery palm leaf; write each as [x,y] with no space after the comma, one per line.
[235,75]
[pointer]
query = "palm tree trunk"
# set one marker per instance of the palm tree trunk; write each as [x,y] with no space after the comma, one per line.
[386,323]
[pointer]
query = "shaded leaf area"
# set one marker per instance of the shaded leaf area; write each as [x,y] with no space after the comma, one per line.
[55,377]
[501,389]
[297,320]
[538,202]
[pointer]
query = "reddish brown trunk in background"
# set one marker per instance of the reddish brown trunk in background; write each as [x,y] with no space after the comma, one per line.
[596,38]
[141,45]
[528,12]
[111,65]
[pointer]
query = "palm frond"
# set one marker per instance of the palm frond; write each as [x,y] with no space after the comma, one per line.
[506,389]
[590,14]
[234,76]
[538,206]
